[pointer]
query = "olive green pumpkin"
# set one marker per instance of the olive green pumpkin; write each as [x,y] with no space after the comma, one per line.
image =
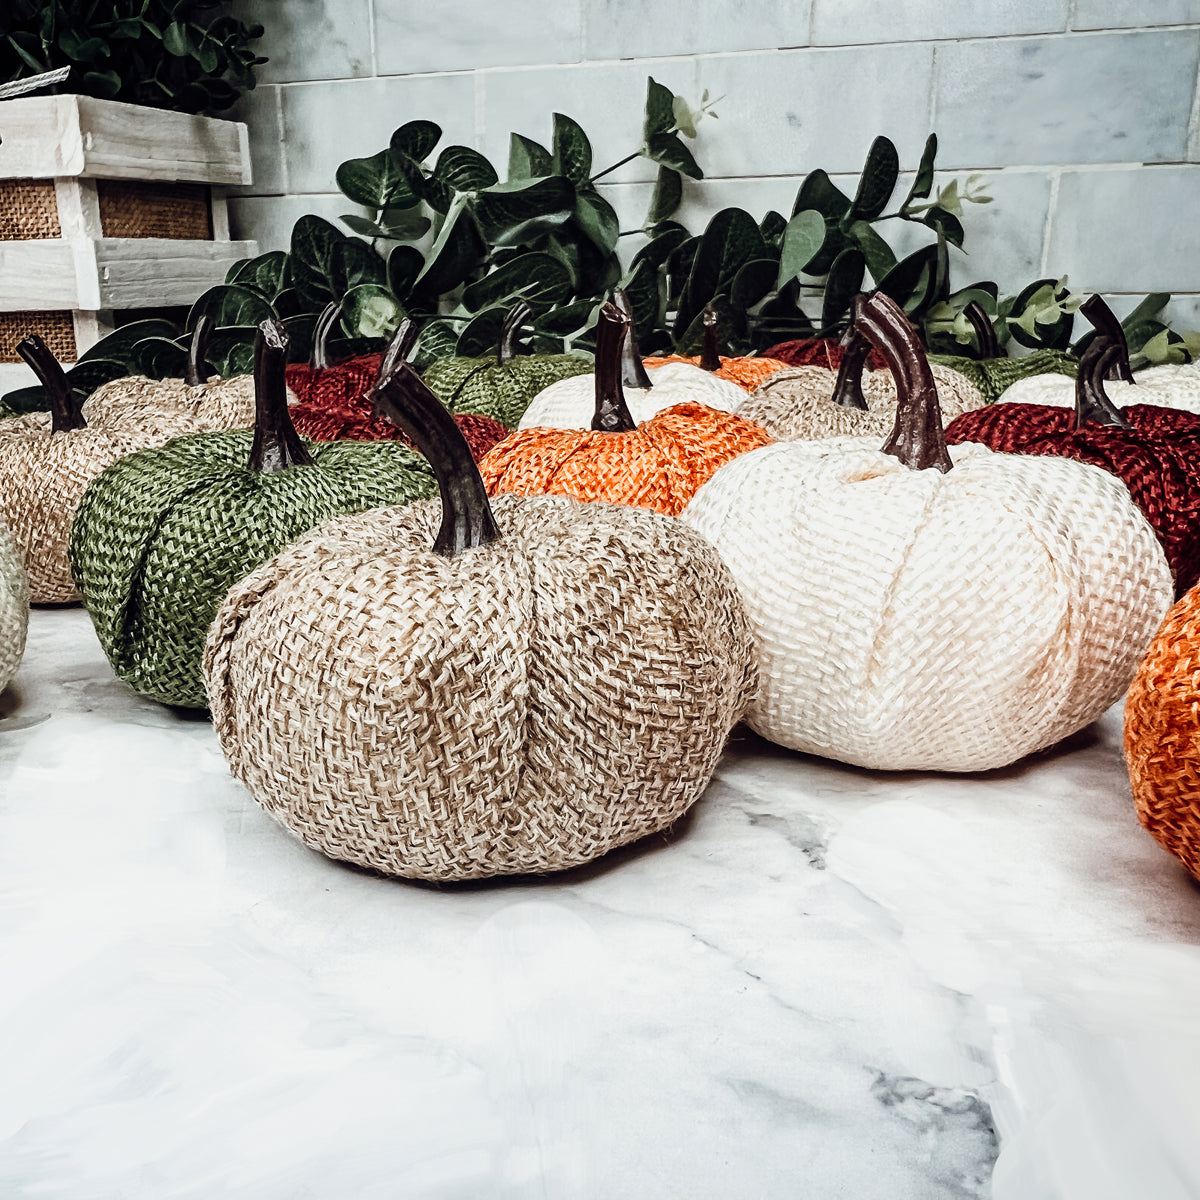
[161,536]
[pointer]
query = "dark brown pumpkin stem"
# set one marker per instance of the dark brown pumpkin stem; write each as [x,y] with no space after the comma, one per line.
[400,347]
[510,336]
[198,369]
[404,400]
[1096,309]
[66,405]
[917,439]
[612,415]
[1092,405]
[984,330]
[633,370]
[277,445]
[847,387]
[318,355]
[710,351]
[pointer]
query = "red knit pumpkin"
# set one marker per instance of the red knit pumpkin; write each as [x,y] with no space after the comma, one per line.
[321,382]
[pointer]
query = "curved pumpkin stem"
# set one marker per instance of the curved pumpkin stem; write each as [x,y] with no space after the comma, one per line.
[198,369]
[633,370]
[318,356]
[66,407]
[277,445]
[400,347]
[612,415]
[1097,311]
[510,336]
[467,521]
[847,387]
[984,330]
[1092,405]
[710,351]
[917,439]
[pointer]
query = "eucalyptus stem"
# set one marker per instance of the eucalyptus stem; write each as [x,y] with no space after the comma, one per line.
[610,170]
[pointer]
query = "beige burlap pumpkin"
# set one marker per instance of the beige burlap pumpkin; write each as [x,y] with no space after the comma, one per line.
[47,460]
[440,694]
[207,401]
[14,608]
[910,614]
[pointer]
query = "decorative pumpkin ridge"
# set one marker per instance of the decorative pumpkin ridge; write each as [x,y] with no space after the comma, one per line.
[933,619]
[323,382]
[541,686]
[206,401]
[1155,451]
[330,420]
[14,608]
[658,464]
[802,403]
[47,459]
[747,373]
[501,387]
[161,536]
[1162,736]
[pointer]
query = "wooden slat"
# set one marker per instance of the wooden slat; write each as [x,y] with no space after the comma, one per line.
[47,136]
[41,275]
[139,272]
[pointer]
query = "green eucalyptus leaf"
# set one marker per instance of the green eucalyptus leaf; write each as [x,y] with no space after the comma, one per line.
[668,192]
[118,345]
[645,288]
[416,140]
[370,310]
[803,237]
[565,320]
[923,183]
[820,192]
[404,264]
[772,227]
[353,262]
[456,252]
[879,255]
[509,212]
[660,110]
[730,320]
[657,250]
[844,282]
[160,358]
[597,218]
[377,182]
[752,282]
[527,159]
[945,223]
[311,260]
[730,240]
[464,169]
[91,373]
[264,274]
[876,184]
[668,150]
[481,335]
[231,304]
[572,150]
[539,279]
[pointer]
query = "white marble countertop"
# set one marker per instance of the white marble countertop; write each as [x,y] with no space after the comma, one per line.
[826,983]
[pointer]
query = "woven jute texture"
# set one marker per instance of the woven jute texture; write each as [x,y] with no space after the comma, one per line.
[28,210]
[500,391]
[795,404]
[352,420]
[571,403]
[14,608]
[994,376]
[1162,734]
[56,329]
[658,465]
[818,352]
[747,373]
[161,536]
[523,707]
[146,209]
[919,620]
[336,385]
[1158,459]
[1167,387]
[215,405]
[43,476]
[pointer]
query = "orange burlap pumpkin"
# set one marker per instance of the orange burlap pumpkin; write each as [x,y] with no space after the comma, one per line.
[658,464]
[747,373]
[1162,734]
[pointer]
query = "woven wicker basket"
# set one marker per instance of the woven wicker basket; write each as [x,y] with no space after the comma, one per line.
[28,210]
[56,329]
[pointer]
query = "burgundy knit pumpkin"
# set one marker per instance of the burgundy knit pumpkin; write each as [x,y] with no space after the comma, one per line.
[322,382]
[817,352]
[1155,451]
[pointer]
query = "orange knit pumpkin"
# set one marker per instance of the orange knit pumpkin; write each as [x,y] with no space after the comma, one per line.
[1162,734]
[747,373]
[658,464]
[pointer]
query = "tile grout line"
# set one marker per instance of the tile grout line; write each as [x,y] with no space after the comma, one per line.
[1051,209]
[371,27]
[1192,145]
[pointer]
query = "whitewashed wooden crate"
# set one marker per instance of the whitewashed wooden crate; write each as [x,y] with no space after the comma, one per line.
[88,163]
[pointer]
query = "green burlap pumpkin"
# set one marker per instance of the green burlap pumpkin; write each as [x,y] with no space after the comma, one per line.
[161,536]
[501,385]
